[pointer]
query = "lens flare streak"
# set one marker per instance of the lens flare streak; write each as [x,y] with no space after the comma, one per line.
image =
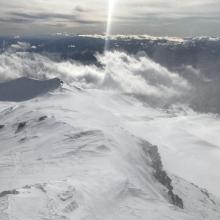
[109,23]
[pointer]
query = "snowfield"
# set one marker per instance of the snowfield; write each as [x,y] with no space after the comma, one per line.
[86,154]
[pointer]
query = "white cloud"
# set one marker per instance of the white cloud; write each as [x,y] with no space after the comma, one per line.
[119,72]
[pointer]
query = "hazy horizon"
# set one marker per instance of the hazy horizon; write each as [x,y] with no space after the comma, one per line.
[158,17]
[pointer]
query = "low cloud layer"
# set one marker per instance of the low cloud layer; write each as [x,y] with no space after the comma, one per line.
[159,17]
[117,72]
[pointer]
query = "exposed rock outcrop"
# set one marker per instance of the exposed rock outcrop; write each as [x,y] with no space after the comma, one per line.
[8,192]
[21,126]
[161,175]
[42,118]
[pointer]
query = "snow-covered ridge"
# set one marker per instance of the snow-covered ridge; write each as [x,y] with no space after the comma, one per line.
[72,155]
[86,150]
[180,40]
[22,89]
[136,37]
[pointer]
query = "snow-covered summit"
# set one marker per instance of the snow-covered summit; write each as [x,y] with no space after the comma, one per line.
[73,155]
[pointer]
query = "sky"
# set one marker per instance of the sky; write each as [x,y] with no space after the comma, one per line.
[184,18]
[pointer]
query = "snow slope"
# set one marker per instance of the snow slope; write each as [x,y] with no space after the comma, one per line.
[80,154]
[189,140]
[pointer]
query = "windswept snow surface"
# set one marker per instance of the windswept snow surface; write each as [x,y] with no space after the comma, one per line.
[83,151]
[189,144]
[81,154]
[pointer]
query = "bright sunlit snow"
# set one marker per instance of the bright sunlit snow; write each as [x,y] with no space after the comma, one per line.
[111,136]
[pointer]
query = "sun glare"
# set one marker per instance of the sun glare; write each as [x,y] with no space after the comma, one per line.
[111,4]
